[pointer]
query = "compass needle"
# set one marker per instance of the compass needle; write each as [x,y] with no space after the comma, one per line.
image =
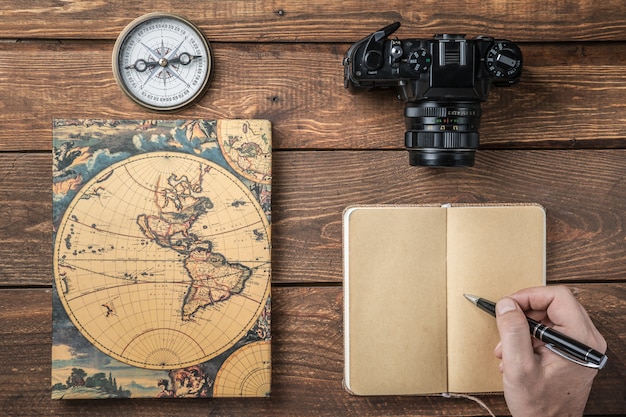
[176,49]
[162,62]
[153,52]
[150,76]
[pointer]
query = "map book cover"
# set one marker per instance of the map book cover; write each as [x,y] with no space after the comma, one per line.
[162,258]
[408,329]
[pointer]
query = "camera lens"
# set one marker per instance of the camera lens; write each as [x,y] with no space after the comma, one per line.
[441,134]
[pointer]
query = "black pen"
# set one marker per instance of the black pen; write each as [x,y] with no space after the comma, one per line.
[558,343]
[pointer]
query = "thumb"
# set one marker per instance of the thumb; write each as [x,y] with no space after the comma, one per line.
[517,347]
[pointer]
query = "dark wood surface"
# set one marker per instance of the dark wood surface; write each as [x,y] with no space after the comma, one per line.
[558,139]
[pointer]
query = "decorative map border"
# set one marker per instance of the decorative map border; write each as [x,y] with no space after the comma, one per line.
[84,148]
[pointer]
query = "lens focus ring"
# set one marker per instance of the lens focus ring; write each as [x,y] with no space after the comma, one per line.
[441,140]
[412,110]
[425,111]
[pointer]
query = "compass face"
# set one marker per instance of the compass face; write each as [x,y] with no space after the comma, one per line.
[162,61]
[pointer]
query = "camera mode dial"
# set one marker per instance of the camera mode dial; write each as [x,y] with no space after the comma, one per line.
[504,60]
[419,60]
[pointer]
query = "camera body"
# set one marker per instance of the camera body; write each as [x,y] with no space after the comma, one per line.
[443,80]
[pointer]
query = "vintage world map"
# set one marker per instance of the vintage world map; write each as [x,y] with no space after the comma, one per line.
[162,260]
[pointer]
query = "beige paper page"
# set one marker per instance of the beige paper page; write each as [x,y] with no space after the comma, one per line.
[395,300]
[492,252]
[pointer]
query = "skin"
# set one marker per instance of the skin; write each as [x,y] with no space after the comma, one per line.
[538,382]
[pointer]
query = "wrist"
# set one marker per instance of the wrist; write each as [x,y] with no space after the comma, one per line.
[566,399]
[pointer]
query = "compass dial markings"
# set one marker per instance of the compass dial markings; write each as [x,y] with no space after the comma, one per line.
[162,61]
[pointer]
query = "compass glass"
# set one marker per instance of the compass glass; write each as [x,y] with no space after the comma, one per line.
[162,61]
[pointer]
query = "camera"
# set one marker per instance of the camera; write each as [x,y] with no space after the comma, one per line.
[442,80]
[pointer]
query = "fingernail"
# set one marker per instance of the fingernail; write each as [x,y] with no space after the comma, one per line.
[505,305]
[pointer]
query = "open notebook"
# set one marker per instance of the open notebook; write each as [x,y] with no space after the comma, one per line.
[408,328]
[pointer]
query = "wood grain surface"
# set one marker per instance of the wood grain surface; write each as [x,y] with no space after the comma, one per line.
[307,356]
[558,138]
[570,96]
[325,21]
[583,192]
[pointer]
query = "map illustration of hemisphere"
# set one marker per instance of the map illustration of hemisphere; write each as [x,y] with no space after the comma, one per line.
[162,260]
[245,150]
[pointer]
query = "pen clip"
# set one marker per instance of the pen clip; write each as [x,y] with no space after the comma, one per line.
[571,358]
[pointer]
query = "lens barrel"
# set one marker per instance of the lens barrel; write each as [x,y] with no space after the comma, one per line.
[442,134]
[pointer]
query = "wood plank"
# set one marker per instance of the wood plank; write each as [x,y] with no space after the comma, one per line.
[584,193]
[325,21]
[307,363]
[570,96]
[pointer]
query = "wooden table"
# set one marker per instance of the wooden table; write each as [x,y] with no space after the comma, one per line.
[558,138]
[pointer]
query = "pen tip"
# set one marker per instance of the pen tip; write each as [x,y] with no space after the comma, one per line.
[471,298]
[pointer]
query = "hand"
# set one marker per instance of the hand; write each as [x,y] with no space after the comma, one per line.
[538,382]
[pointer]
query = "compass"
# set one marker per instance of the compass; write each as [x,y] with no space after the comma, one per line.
[162,61]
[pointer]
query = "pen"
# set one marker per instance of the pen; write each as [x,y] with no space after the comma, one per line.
[558,343]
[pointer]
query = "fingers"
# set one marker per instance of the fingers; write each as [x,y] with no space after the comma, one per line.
[557,298]
[497,351]
[562,311]
[516,347]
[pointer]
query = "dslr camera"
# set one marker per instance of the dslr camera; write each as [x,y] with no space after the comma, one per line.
[442,80]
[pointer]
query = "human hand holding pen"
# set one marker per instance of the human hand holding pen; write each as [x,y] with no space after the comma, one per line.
[536,381]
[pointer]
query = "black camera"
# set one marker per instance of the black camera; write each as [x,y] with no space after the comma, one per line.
[443,80]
